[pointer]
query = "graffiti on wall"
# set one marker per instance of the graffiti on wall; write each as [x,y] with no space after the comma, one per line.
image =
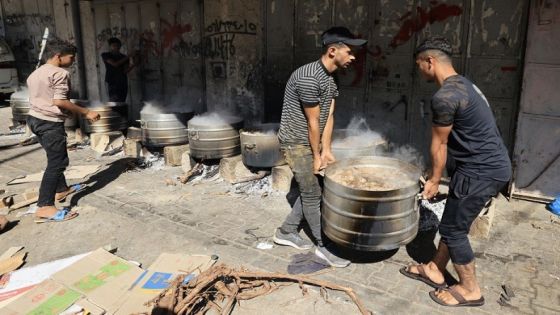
[410,25]
[218,41]
[36,19]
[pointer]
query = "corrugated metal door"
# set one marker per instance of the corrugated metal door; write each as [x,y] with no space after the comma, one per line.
[537,142]
[382,84]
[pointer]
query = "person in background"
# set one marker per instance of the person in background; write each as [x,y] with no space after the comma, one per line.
[464,127]
[49,89]
[305,137]
[117,66]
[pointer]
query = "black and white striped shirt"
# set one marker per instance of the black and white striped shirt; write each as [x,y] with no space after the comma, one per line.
[309,85]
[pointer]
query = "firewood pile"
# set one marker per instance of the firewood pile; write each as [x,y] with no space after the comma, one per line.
[220,288]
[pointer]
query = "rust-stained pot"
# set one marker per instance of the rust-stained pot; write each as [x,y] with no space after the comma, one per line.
[260,146]
[159,130]
[214,140]
[113,118]
[370,203]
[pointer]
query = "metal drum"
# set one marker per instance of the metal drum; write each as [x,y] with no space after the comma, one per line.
[159,130]
[347,144]
[370,203]
[214,140]
[72,120]
[19,102]
[113,118]
[260,146]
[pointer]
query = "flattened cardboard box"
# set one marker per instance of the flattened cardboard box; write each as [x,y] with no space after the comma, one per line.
[159,276]
[48,297]
[101,277]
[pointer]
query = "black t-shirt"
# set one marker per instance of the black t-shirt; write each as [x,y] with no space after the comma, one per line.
[475,142]
[114,75]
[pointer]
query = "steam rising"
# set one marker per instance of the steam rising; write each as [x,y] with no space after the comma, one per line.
[180,102]
[356,134]
[214,118]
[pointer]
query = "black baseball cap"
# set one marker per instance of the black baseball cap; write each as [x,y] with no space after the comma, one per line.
[340,34]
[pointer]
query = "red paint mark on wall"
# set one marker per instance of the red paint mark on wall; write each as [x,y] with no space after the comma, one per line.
[438,12]
[411,25]
[171,32]
[509,68]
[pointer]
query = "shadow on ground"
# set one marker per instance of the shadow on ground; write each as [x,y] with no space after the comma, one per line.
[100,179]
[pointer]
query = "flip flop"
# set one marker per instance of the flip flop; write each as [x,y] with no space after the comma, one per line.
[73,189]
[421,277]
[61,215]
[458,297]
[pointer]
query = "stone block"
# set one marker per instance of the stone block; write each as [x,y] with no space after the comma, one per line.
[79,135]
[134,133]
[233,170]
[282,178]
[187,162]
[481,226]
[101,142]
[132,148]
[172,154]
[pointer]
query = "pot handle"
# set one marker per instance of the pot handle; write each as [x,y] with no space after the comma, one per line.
[193,134]
[417,199]
[250,146]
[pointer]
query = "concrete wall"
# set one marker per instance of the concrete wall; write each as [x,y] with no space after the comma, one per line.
[238,55]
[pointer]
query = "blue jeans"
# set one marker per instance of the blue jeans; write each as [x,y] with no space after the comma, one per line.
[52,138]
[308,204]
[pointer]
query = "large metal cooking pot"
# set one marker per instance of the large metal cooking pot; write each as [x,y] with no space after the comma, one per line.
[159,130]
[19,102]
[113,118]
[214,141]
[260,146]
[373,219]
[73,120]
[347,144]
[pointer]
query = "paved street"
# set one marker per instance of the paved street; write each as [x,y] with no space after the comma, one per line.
[137,212]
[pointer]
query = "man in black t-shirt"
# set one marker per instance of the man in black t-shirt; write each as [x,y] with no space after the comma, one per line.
[117,65]
[464,127]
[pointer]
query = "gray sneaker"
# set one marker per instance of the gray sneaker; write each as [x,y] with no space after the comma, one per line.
[333,260]
[291,239]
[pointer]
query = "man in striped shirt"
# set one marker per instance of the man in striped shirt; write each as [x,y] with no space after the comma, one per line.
[305,137]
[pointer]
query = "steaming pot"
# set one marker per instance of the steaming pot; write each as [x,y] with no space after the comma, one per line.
[159,130]
[114,117]
[214,141]
[371,220]
[19,102]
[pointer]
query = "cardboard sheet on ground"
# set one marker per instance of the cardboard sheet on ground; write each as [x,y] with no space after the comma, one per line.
[25,279]
[100,278]
[111,284]
[72,172]
[159,276]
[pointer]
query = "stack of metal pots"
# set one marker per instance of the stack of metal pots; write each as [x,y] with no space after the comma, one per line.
[19,102]
[260,147]
[371,220]
[159,130]
[348,144]
[113,118]
[214,140]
